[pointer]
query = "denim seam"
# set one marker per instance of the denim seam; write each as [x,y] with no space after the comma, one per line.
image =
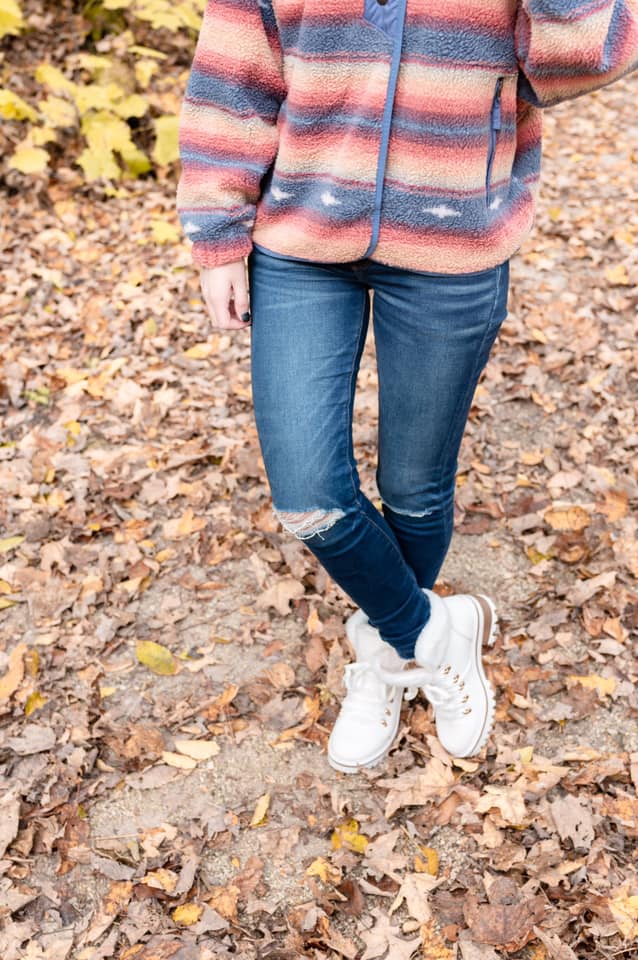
[464,398]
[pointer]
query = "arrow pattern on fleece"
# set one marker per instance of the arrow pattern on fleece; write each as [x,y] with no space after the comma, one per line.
[409,132]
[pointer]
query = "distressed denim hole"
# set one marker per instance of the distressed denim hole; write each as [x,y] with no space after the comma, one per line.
[409,513]
[305,524]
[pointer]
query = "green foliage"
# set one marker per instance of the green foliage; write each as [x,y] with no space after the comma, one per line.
[113,113]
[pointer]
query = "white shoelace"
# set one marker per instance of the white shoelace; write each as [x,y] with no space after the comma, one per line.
[439,687]
[362,680]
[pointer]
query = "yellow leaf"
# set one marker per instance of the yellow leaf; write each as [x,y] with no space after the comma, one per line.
[572,518]
[347,835]
[58,112]
[178,760]
[431,862]
[5,602]
[98,165]
[623,235]
[145,70]
[34,701]
[625,912]
[157,658]
[28,159]
[187,913]
[164,232]
[197,749]
[526,754]
[39,137]
[12,679]
[107,691]
[13,107]
[261,809]
[532,457]
[10,543]
[604,685]
[555,213]
[166,149]
[53,78]
[617,275]
[161,878]
[11,21]
[147,51]
[326,871]
[199,351]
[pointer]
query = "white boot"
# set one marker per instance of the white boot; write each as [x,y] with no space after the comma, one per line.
[450,670]
[370,712]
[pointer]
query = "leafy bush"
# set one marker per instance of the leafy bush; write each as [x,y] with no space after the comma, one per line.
[108,105]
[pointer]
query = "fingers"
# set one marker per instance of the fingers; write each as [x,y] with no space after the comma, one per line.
[225,293]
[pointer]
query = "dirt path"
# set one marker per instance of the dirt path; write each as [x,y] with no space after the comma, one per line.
[140,494]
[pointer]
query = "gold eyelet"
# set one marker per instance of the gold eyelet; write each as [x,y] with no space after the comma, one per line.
[465,698]
[447,669]
[468,710]
[456,677]
[389,712]
[462,685]
[384,722]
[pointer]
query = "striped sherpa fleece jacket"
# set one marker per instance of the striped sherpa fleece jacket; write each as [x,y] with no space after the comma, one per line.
[407,131]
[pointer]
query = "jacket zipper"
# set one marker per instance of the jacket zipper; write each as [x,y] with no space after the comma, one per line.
[495,125]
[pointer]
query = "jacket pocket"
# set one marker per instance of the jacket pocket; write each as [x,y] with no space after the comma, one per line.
[495,126]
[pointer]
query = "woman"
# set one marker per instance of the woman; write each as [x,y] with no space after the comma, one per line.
[394,146]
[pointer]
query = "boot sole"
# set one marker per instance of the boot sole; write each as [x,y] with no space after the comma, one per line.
[485,636]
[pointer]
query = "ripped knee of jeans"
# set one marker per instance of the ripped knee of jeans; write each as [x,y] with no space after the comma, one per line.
[308,523]
[427,512]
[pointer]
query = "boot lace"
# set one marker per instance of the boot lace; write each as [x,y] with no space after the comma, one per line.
[365,685]
[439,685]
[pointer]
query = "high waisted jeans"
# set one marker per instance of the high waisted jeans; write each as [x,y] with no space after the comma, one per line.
[433,334]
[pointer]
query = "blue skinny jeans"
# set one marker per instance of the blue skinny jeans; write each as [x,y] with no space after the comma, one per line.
[433,334]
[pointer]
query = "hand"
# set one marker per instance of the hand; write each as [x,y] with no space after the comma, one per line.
[225,292]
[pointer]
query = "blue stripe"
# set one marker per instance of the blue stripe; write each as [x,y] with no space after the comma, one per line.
[239,98]
[460,46]
[420,126]
[211,160]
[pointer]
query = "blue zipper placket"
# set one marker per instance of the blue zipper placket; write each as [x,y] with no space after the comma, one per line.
[386,122]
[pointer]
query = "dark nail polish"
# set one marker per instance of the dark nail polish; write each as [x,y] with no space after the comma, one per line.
[246,317]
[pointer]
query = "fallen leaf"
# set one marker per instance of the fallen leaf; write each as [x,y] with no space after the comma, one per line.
[418,785]
[156,657]
[197,749]
[261,809]
[14,676]
[347,835]
[604,685]
[624,910]
[573,821]
[567,518]
[187,913]
[326,871]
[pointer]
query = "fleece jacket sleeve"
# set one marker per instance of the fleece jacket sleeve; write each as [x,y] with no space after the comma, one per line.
[227,128]
[566,48]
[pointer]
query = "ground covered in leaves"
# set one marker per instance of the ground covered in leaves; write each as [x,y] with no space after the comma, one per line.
[171,659]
